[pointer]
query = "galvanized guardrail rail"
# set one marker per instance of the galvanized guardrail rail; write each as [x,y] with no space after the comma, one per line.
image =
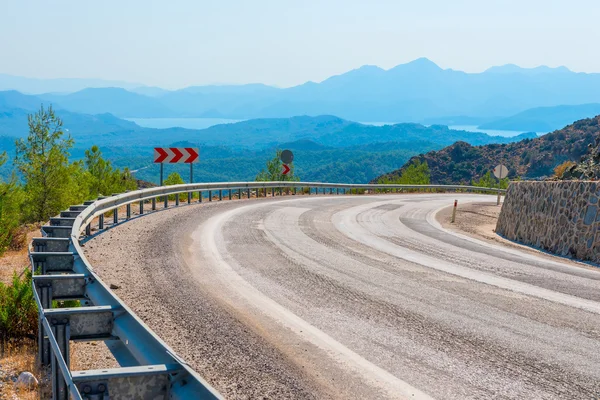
[149,368]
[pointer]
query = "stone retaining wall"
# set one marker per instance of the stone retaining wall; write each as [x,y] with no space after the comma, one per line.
[560,217]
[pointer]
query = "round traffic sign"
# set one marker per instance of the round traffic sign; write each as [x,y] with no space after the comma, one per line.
[286,156]
[500,171]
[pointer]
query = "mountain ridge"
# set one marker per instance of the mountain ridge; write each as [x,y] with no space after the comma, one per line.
[410,92]
[529,159]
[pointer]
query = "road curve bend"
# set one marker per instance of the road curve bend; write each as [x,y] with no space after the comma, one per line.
[355,297]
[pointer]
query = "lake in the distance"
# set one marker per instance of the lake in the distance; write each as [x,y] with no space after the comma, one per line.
[203,123]
[491,132]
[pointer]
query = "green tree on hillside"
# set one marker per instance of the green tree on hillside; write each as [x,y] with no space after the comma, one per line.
[175,179]
[417,173]
[489,181]
[104,179]
[274,171]
[42,160]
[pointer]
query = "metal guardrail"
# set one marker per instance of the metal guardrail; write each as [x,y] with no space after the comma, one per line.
[149,368]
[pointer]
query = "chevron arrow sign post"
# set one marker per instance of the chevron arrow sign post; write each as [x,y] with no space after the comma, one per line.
[176,155]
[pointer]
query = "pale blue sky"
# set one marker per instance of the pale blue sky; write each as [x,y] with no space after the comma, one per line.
[180,43]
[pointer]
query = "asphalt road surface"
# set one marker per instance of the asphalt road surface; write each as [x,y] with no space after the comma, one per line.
[356,297]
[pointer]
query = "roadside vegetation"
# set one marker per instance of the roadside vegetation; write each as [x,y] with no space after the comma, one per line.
[490,181]
[44,181]
[273,171]
[416,173]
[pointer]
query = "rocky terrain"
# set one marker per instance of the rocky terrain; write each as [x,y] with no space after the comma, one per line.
[527,159]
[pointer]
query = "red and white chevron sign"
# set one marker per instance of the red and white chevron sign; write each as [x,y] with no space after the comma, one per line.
[175,155]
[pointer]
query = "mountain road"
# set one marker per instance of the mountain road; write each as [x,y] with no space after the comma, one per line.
[355,297]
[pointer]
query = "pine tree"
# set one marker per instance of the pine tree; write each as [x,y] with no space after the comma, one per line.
[104,179]
[42,160]
[274,171]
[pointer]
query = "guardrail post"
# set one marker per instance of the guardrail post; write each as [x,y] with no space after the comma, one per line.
[116,216]
[166,201]
[189,197]
[141,207]
[210,195]
[280,192]
[45,294]
[101,221]
[129,211]
[220,195]
[88,230]
[60,328]
[200,196]
[230,194]
[248,193]
[177,199]
[153,203]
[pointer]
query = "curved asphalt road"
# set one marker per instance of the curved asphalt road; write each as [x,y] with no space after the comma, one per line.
[356,297]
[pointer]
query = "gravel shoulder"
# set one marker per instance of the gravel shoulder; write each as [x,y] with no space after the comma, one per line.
[478,220]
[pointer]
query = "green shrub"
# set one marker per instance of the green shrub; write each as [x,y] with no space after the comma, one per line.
[18,311]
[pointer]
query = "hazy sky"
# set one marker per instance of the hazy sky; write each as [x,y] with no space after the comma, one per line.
[180,43]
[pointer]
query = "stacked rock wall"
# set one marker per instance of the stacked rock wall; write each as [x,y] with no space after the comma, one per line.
[560,217]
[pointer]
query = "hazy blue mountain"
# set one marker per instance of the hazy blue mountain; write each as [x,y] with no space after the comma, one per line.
[15,106]
[117,101]
[544,119]
[150,91]
[12,99]
[221,101]
[67,85]
[84,128]
[414,92]
[515,69]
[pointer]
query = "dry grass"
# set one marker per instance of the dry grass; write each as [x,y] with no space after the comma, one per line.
[18,358]
[15,360]
[17,260]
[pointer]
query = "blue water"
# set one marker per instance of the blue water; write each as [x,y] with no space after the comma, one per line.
[203,123]
[491,132]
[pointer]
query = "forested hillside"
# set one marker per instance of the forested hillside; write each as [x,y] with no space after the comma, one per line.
[327,148]
[529,158]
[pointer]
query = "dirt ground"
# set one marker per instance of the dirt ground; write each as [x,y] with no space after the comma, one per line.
[478,220]
[474,219]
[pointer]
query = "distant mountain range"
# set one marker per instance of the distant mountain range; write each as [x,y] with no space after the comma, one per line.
[64,85]
[544,119]
[326,148]
[88,129]
[528,159]
[414,92]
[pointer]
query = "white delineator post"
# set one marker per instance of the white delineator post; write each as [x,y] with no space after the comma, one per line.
[454,211]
